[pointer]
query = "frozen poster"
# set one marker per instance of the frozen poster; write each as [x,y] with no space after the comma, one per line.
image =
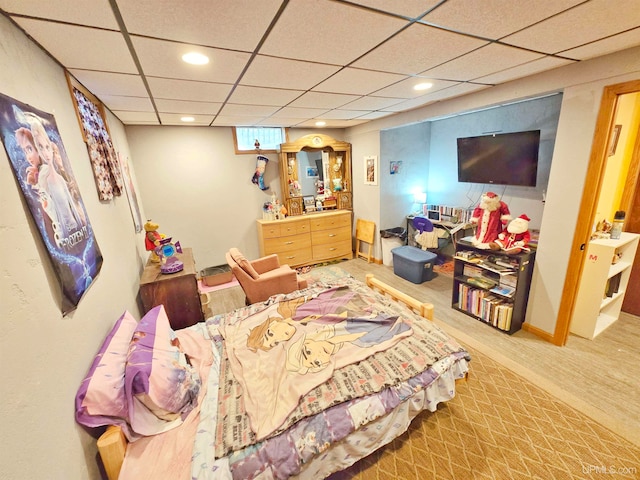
[40,164]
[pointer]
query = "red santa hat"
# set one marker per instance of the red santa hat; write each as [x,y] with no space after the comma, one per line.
[490,195]
[524,217]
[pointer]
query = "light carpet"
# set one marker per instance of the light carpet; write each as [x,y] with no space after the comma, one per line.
[501,426]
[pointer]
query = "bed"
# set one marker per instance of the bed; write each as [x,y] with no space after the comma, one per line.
[300,386]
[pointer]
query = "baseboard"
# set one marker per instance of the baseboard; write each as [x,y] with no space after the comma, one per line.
[538,332]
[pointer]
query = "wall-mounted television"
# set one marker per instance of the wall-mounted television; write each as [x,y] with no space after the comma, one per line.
[500,158]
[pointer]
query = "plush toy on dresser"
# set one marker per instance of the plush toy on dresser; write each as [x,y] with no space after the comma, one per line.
[152,239]
[490,216]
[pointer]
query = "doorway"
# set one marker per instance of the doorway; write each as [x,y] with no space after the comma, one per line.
[590,197]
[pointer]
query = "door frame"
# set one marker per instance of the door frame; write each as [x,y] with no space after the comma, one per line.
[589,202]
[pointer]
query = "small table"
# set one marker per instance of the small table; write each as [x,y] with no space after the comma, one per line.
[178,292]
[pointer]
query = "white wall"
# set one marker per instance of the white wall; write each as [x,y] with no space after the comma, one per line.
[45,356]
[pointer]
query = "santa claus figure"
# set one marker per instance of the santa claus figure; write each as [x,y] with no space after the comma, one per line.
[490,216]
[517,236]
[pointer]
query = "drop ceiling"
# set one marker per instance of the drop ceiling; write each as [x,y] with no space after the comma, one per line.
[295,62]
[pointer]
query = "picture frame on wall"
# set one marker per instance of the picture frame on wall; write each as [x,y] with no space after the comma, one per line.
[312,172]
[371,170]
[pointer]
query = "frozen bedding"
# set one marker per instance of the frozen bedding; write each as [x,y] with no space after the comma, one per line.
[211,421]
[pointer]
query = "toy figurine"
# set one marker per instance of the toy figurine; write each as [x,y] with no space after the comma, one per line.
[516,238]
[152,239]
[490,217]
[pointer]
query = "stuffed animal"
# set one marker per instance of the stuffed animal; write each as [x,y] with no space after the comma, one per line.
[517,236]
[490,216]
[152,239]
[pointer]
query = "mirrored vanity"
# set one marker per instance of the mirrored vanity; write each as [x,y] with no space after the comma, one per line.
[315,174]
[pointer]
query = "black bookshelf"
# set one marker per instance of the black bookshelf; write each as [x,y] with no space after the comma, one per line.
[492,286]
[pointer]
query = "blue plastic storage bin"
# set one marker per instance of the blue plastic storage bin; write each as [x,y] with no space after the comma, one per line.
[413,264]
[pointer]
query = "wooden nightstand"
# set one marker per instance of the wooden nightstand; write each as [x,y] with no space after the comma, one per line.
[178,292]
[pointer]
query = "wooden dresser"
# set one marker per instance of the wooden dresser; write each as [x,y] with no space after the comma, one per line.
[307,239]
[178,292]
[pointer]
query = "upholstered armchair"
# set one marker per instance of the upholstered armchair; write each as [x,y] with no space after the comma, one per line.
[263,277]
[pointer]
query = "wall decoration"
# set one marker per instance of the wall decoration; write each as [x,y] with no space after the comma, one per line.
[42,169]
[131,193]
[371,170]
[613,141]
[90,113]
[394,166]
[312,172]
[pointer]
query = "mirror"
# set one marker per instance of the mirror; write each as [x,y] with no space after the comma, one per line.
[315,166]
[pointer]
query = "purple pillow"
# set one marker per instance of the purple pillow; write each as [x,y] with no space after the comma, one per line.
[160,385]
[101,399]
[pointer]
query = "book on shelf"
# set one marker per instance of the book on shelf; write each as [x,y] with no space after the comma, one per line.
[481,282]
[503,290]
[509,280]
[613,285]
[472,271]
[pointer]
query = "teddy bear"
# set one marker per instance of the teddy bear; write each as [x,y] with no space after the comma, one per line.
[490,216]
[516,238]
[152,239]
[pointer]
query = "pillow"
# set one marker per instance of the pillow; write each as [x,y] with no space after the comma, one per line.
[243,263]
[160,384]
[101,400]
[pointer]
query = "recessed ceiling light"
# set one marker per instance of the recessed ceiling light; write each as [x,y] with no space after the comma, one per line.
[423,86]
[195,58]
[187,119]
[320,123]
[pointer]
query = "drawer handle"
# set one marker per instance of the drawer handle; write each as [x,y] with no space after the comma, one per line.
[291,257]
[289,242]
[332,234]
[332,249]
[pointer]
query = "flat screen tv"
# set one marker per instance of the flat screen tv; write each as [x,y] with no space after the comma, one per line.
[500,158]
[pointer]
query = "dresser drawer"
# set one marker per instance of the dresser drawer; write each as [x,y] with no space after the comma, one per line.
[331,250]
[331,236]
[288,243]
[295,257]
[272,230]
[330,221]
[294,228]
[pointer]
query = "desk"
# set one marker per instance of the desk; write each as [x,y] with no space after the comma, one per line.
[454,229]
[178,292]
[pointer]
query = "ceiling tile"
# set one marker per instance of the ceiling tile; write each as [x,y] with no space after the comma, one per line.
[174,119]
[357,81]
[132,104]
[188,90]
[322,100]
[612,44]
[493,19]
[327,27]
[405,89]
[424,47]
[237,24]
[136,118]
[100,83]
[238,121]
[263,96]
[343,114]
[187,107]
[523,70]
[406,8]
[600,18]
[164,59]
[371,103]
[283,73]
[299,113]
[279,122]
[261,111]
[454,91]
[82,47]
[81,12]
[374,115]
[492,58]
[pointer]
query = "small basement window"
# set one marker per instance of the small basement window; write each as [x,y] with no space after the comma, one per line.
[270,138]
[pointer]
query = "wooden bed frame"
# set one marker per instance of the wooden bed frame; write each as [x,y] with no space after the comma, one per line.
[112,444]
